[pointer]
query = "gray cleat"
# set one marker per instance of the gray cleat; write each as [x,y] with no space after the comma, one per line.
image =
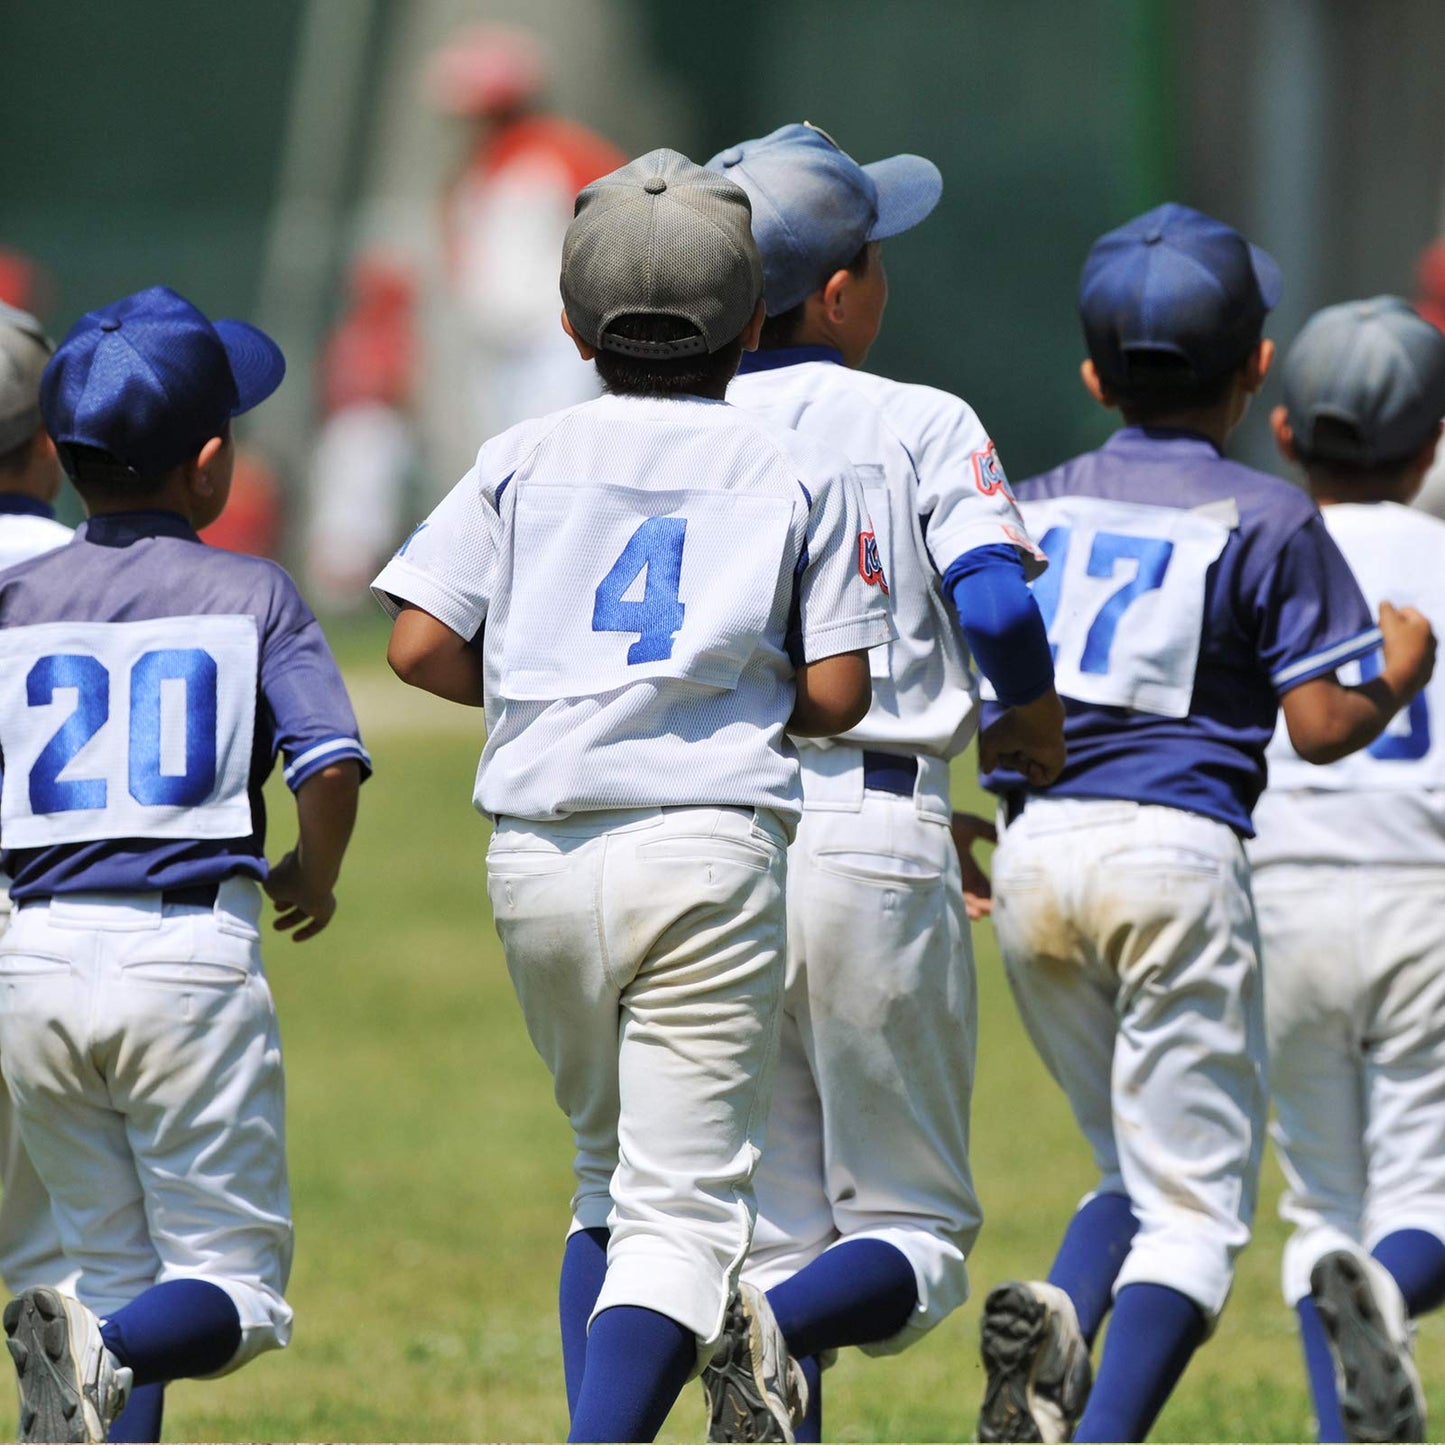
[755,1390]
[1037,1363]
[70,1385]
[1364,1316]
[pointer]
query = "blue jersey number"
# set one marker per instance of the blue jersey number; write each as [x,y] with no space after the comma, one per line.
[657,546]
[194,669]
[1400,747]
[1151,556]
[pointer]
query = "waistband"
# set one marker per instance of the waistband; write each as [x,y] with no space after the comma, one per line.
[195,895]
[835,779]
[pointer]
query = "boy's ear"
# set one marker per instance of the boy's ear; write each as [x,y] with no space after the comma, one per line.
[753,331]
[1094,383]
[208,453]
[1257,365]
[586,352]
[834,292]
[1283,434]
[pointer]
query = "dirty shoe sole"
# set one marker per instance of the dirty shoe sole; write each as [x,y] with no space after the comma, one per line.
[1380,1395]
[1038,1378]
[738,1398]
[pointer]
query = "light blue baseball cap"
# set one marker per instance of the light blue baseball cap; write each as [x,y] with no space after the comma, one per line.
[814,206]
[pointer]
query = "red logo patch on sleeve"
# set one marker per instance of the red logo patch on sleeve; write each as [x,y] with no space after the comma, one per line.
[870,564]
[988,473]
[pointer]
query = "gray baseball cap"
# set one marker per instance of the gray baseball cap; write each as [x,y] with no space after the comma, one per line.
[814,206]
[661,237]
[1377,367]
[24,350]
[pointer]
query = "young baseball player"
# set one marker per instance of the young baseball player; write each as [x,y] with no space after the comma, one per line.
[1349,874]
[866,1207]
[147,683]
[644,591]
[1189,600]
[30,480]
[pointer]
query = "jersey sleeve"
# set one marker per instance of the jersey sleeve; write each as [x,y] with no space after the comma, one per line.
[301,687]
[841,594]
[964,498]
[448,566]
[1312,614]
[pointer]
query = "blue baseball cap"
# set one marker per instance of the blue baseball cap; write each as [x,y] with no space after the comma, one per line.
[1174,283]
[150,380]
[814,206]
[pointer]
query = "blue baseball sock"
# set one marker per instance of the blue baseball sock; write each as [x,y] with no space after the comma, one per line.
[141,1418]
[175,1330]
[857,1292]
[1320,1367]
[811,1428]
[1154,1332]
[1091,1254]
[637,1363]
[1417,1260]
[584,1267]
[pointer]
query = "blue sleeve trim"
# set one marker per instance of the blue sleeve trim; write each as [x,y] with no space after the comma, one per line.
[1326,660]
[321,755]
[1001,622]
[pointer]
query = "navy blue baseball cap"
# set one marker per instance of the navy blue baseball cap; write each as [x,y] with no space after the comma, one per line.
[1174,283]
[150,380]
[814,206]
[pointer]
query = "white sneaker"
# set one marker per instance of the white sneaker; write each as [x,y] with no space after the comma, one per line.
[1037,1362]
[71,1387]
[1364,1316]
[755,1390]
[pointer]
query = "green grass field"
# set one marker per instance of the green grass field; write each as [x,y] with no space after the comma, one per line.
[430,1170]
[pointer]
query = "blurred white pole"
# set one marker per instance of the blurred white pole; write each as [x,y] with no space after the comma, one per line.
[301,250]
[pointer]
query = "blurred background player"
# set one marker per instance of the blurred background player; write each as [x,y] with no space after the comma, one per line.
[1349,882]
[1430,304]
[636,763]
[366,449]
[866,1206]
[148,682]
[1188,601]
[503,218]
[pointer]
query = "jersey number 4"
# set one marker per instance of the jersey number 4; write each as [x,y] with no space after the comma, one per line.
[657,546]
[193,674]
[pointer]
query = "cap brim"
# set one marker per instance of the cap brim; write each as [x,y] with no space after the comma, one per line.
[256,362]
[909,188]
[1267,276]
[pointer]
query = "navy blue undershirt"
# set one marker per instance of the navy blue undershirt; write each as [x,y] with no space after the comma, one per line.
[21,504]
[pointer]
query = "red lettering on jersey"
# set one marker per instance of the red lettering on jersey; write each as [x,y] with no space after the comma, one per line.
[988,473]
[870,564]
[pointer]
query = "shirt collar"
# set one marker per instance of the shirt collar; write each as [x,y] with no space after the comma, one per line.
[120,529]
[22,505]
[788,356]
[1144,437]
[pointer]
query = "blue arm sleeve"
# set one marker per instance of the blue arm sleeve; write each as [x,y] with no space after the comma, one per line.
[1001,622]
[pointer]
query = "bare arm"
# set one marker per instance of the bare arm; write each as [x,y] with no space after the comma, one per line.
[834,694]
[301,884]
[1028,739]
[427,654]
[1328,721]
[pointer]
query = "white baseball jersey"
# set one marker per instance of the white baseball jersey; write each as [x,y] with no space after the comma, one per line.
[935,490]
[1386,803]
[643,575]
[23,535]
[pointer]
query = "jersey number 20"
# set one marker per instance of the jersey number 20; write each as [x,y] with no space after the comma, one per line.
[657,546]
[194,669]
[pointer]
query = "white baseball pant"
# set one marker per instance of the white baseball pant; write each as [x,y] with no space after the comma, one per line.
[1354,961]
[1129,938]
[646,949]
[140,1045]
[868,1133]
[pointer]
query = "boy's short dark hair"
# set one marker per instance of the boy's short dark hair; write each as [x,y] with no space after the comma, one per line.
[94,470]
[699,374]
[1161,385]
[1334,435]
[782,329]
